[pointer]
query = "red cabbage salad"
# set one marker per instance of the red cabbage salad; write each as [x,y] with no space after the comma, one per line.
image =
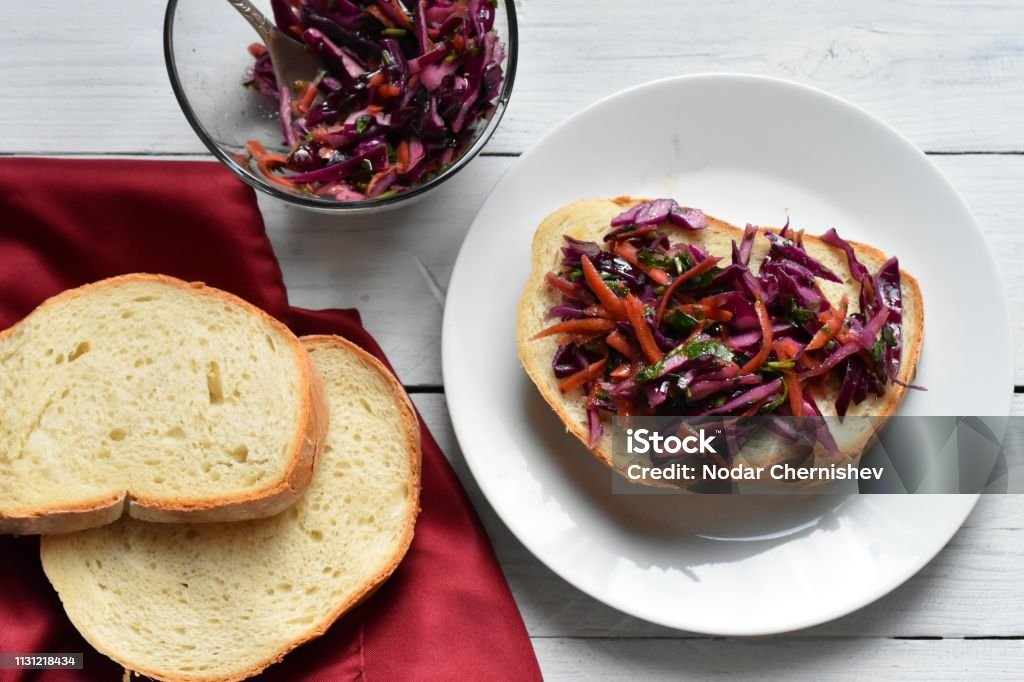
[648,326]
[404,89]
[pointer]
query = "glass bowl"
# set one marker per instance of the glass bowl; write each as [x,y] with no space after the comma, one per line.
[205,49]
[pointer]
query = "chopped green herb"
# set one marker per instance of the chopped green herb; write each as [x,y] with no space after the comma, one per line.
[797,314]
[878,350]
[692,350]
[394,33]
[831,345]
[774,405]
[363,123]
[653,259]
[618,288]
[702,280]
[889,336]
[652,371]
[696,349]
[681,322]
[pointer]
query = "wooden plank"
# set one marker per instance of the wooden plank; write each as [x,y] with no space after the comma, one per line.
[972,589]
[374,262]
[780,658]
[948,74]
[392,266]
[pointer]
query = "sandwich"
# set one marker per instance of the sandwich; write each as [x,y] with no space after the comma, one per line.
[640,308]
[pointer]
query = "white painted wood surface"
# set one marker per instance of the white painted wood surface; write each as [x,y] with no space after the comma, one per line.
[88,78]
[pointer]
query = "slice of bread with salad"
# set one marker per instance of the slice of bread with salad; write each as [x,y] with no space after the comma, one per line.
[644,308]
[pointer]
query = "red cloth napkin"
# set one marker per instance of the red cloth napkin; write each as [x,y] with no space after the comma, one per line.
[446,613]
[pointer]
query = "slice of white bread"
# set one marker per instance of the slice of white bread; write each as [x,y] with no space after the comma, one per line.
[224,601]
[173,401]
[589,221]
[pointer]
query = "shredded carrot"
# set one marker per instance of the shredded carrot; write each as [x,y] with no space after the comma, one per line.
[712,308]
[623,371]
[459,42]
[796,393]
[389,90]
[581,377]
[590,325]
[404,16]
[305,101]
[786,349]
[697,270]
[832,322]
[402,156]
[257,50]
[766,339]
[716,314]
[377,14]
[628,253]
[267,162]
[256,150]
[601,289]
[705,310]
[562,284]
[274,177]
[635,313]
[620,343]
[597,311]
[579,339]
[376,80]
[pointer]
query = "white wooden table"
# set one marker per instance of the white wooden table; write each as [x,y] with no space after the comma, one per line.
[87,78]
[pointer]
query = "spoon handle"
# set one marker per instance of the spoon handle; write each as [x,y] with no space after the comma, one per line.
[255,18]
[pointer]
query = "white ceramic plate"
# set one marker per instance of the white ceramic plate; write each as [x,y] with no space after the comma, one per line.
[744,149]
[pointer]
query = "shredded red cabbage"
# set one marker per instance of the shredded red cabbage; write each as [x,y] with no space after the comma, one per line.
[701,349]
[406,85]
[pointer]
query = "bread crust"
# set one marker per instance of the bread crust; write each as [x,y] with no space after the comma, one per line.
[275,496]
[589,220]
[413,441]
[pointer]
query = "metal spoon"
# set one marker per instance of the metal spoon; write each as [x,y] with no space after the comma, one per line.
[291,59]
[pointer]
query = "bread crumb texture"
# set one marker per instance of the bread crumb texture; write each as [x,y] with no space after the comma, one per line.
[147,385]
[223,601]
